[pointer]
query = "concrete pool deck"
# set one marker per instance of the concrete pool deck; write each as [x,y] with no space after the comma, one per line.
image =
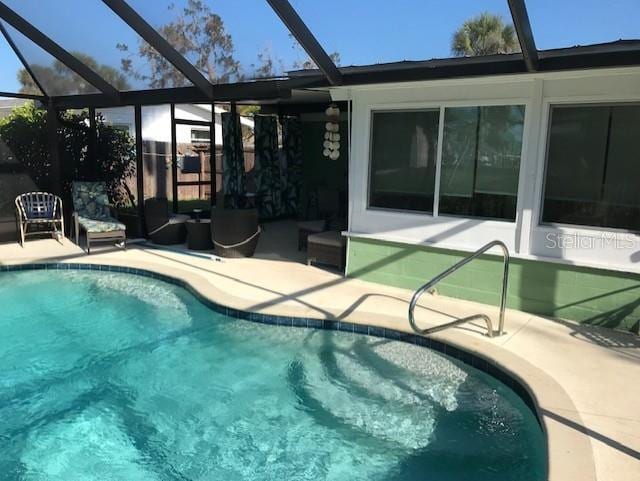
[585,380]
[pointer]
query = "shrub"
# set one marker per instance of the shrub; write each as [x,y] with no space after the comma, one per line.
[114,161]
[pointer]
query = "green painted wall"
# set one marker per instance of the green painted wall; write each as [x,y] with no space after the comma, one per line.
[591,296]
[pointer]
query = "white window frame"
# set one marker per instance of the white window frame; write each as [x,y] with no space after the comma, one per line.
[445,231]
[545,160]
[442,106]
[608,255]
[436,183]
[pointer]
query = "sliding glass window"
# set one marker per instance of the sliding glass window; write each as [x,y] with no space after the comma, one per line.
[404,146]
[593,166]
[481,161]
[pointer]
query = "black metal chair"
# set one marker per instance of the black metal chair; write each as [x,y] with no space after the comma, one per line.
[163,227]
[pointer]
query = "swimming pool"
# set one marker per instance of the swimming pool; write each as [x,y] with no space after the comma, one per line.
[114,376]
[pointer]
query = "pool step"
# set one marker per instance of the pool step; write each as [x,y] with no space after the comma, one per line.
[372,393]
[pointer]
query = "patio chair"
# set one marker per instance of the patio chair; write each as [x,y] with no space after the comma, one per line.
[41,210]
[92,213]
[328,247]
[327,211]
[163,227]
[235,232]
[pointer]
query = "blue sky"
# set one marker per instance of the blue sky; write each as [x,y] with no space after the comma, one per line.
[362,31]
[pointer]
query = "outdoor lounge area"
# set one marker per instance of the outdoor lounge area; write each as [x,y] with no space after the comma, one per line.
[296,241]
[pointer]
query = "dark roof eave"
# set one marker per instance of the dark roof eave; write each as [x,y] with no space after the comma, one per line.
[619,53]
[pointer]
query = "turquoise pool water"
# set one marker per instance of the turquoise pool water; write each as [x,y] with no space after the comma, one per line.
[108,376]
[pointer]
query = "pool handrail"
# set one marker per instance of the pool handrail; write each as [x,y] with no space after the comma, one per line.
[429,285]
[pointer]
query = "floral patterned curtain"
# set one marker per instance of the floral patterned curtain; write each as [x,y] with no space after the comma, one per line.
[292,146]
[233,176]
[268,170]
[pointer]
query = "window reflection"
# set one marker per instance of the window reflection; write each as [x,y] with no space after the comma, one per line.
[593,163]
[481,161]
[403,159]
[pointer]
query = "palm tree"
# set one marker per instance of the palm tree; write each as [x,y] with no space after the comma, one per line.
[485,34]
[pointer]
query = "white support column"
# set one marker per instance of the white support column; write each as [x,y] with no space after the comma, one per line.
[528,185]
[436,187]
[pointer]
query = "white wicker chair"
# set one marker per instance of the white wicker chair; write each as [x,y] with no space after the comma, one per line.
[39,209]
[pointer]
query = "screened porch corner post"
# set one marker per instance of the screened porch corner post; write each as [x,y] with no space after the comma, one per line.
[292,147]
[53,126]
[55,181]
[174,160]
[140,172]
[268,171]
[233,176]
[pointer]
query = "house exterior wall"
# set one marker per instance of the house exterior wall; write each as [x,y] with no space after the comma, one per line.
[156,121]
[597,281]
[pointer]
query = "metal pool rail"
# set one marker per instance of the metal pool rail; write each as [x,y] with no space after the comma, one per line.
[451,270]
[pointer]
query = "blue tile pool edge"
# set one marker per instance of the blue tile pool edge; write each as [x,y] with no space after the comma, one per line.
[466,357]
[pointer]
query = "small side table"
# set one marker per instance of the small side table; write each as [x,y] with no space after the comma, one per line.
[199,234]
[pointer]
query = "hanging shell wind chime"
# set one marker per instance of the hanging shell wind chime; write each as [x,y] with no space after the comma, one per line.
[331,142]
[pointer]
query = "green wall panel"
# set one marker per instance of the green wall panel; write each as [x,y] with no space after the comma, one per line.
[591,296]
